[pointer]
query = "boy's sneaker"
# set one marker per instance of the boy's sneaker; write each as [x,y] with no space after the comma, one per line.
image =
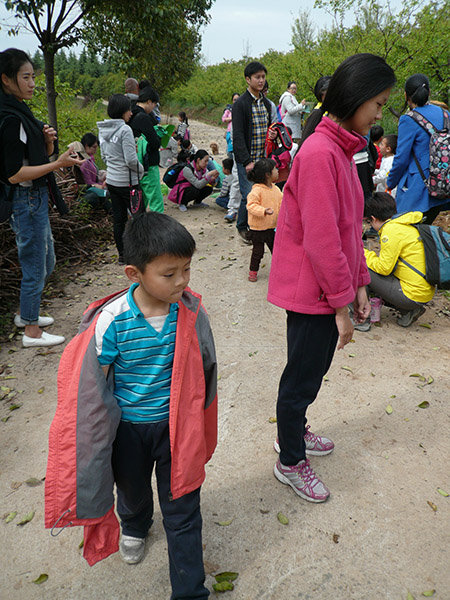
[132,549]
[230,217]
[302,480]
[408,318]
[316,445]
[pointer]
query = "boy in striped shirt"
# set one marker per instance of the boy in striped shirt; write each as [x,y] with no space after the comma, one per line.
[155,344]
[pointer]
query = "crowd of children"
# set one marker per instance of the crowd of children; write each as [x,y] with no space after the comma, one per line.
[145,357]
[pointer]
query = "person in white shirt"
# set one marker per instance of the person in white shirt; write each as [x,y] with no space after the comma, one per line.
[388,146]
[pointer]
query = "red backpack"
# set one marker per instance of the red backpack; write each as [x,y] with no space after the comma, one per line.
[279,148]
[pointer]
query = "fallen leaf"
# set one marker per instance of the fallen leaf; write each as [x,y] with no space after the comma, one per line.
[41,390]
[209,567]
[442,493]
[42,577]
[389,409]
[14,406]
[436,348]
[223,586]
[415,375]
[430,380]
[12,515]
[4,419]
[272,419]
[224,523]
[372,373]
[336,538]
[422,378]
[26,519]
[424,404]
[226,576]
[426,325]
[409,596]
[202,258]
[33,482]
[352,355]
[325,378]
[344,368]
[264,512]
[282,518]
[393,396]
[81,544]
[432,505]
[15,485]
[428,593]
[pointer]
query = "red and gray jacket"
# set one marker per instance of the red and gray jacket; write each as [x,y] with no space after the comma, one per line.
[79,481]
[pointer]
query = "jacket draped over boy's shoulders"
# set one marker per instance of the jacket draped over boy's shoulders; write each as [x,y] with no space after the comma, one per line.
[79,481]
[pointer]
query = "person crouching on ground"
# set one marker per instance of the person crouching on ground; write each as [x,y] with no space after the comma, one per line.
[263,205]
[390,278]
[159,343]
[194,182]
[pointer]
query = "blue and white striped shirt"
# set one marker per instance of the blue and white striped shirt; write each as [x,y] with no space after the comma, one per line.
[142,358]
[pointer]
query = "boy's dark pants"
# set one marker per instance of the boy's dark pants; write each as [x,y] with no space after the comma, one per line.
[137,448]
[311,342]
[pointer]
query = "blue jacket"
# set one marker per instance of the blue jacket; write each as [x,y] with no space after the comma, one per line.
[411,192]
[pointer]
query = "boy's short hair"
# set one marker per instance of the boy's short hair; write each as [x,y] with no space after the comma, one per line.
[227,163]
[380,205]
[254,67]
[153,234]
[186,144]
[118,105]
[148,93]
[391,141]
[376,133]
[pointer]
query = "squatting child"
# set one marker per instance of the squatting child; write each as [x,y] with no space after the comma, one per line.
[158,341]
[263,206]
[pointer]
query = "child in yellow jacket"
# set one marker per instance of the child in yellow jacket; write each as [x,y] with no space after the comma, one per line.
[263,206]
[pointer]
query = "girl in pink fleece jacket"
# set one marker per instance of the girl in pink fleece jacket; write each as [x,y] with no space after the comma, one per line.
[318,264]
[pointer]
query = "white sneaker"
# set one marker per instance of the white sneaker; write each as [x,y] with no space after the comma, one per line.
[132,549]
[42,321]
[182,207]
[46,339]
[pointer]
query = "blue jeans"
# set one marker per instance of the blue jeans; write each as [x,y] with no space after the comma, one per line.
[29,221]
[245,187]
[138,449]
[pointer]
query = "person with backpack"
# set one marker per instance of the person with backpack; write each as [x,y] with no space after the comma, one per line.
[291,110]
[123,169]
[412,159]
[193,181]
[143,123]
[252,117]
[318,265]
[25,174]
[393,272]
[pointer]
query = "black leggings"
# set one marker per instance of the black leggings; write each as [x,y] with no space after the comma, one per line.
[259,238]
[195,194]
[120,200]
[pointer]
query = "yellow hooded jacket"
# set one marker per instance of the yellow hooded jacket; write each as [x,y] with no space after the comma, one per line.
[398,238]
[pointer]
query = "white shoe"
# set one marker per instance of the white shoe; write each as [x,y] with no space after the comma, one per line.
[42,321]
[46,339]
[132,549]
[182,207]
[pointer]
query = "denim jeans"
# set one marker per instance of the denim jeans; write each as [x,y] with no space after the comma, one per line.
[246,187]
[29,221]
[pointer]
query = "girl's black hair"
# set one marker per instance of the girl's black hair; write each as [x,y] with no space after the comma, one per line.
[417,88]
[11,61]
[183,115]
[183,156]
[321,86]
[233,95]
[148,93]
[89,139]
[380,205]
[357,79]
[200,154]
[261,170]
[153,234]
[117,105]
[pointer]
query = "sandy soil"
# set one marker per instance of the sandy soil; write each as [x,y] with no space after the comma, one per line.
[384,530]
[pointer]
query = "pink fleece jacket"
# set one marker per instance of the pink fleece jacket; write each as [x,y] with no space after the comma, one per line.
[318,260]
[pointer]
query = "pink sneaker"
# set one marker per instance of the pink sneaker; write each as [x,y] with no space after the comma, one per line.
[302,480]
[316,445]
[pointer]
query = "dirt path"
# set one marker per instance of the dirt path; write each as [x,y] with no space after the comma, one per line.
[376,538]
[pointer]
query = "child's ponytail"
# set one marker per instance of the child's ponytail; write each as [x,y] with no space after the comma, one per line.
[261,170]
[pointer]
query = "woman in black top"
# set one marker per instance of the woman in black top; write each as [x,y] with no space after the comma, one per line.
[26,144]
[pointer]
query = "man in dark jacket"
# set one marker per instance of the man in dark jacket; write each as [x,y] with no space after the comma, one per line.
[251,120]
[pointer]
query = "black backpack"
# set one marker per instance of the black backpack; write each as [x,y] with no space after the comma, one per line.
[171,175]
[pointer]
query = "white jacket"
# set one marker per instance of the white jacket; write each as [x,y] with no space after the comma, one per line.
[292,112]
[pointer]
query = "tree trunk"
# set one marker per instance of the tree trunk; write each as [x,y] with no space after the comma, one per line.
[49,66]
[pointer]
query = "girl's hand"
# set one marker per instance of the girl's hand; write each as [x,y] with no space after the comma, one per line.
[268,211]
[68,159]
[344,326]
[49,134]
[361,305]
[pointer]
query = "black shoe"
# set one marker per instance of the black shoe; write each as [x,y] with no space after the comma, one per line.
[244,236]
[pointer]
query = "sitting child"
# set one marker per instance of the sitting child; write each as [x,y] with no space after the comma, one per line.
[387,147]
[390,279]
[224,198]
[188,147]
